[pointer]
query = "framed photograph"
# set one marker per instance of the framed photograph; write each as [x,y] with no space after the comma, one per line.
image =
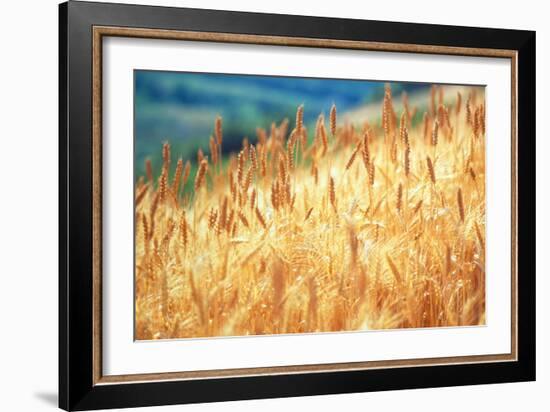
[257,205]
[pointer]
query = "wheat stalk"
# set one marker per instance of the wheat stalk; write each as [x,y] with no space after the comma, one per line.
[201,173]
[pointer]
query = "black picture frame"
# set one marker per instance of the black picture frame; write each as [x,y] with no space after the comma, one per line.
[77,390]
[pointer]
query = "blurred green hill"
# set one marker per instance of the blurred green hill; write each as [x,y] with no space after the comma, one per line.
[181,107]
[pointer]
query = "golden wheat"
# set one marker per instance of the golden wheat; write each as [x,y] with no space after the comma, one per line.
[294,236]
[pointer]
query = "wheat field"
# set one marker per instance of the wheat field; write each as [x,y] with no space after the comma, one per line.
[377,223]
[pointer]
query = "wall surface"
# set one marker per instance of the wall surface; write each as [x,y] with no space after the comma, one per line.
[28,218]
